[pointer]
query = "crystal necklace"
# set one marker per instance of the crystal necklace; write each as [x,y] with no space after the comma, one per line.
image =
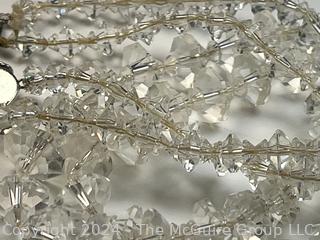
[128,106]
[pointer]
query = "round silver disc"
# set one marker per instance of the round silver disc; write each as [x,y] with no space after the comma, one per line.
[8,87]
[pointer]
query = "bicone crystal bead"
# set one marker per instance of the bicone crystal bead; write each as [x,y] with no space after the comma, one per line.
[266,20]
[276,143]
[92,101]
[132,54]
[245,206]
[204,212]
[71,48]
[312,103]
[20,199]
[127,152]
[288,17]
[280,200]
[17,142]
[210,78]
[232,161]
[184,46]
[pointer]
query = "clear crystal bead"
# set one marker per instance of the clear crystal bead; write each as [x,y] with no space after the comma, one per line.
[189,165]
[312,104]
[132,54]
[185,45]
[20,199]
[232,144]
[277,142]
[204,212]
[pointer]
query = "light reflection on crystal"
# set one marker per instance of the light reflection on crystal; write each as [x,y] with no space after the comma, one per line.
[131,114]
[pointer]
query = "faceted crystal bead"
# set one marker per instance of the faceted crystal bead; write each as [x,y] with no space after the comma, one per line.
[76,198]
[312,161]
[298,161]
[312,103]
[261,7]
[210,78]
[298,56]
[279,161]
[280,201]
[97,187]
[204,212]
[302,164]
[17,143]
[28,49]
[32,153]
[232,162]
[92,101]
[244,207]
[145,34]
[49,222]
[250,69]
[279,139]
[33,76]
[287,17]
[185,45]
[20,199]
[294,84]
[210,110]
[141,90]
[217,161]
[266,20]
[127,152]
[78,148]
[163,10]
[50,168]
[60,104]
[259,93]
[259,161]
[30,161]
[100,165]
[53,84]
[21,109]
[314,131]
[61,162]
[184,76]
[69,50]
[132,54]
